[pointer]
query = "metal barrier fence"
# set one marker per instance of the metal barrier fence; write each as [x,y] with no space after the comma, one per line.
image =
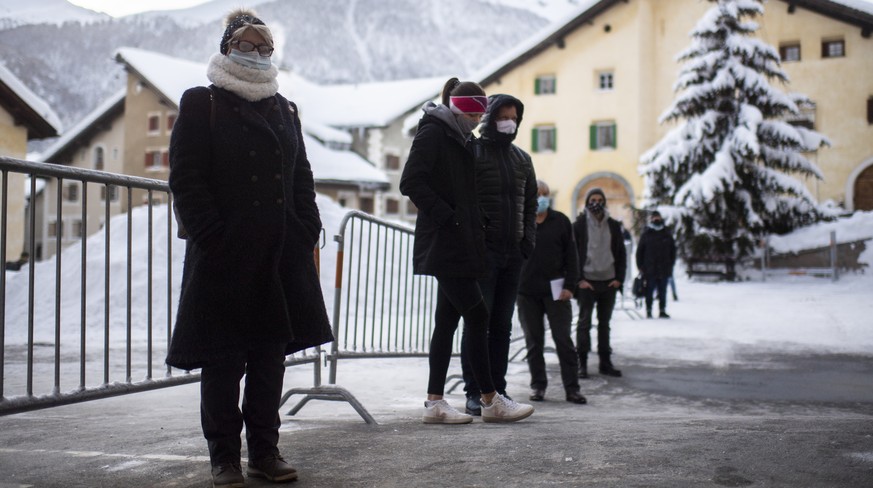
[380,309]
[91,321]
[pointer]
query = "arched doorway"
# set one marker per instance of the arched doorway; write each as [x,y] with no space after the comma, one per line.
[619,195]
[863,190]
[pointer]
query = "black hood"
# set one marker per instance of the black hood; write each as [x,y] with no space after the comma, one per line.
[489,126]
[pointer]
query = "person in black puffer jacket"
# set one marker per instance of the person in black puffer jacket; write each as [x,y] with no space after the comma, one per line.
[507,191]
[656,256]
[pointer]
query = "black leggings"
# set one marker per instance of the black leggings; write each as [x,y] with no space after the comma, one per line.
[459,296]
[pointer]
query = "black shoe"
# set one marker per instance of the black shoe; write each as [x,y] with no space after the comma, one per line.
[609,370]
[663,315]
[648,314]
[474,406]
[273,468]
[228,475]
[576,397]
[583,372]
[537,395]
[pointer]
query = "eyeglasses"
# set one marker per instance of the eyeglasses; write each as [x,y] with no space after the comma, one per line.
[247,47]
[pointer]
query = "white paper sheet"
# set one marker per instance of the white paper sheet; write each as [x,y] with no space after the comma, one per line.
[557,286]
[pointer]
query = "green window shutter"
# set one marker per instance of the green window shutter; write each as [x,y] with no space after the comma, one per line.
[614,136]
[555,85]
[537,86]
[592,134]
[555,139]
[533,140]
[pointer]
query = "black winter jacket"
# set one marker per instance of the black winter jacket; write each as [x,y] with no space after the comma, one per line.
[619,253]
[656,253]
[553,257]
[506,184]
[440,179]
[244,190]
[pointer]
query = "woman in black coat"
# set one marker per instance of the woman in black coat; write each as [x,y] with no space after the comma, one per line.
[250,294]
[439,178]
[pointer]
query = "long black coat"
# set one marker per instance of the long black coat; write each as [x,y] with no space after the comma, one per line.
[244,190]
[656,253]
[439,178]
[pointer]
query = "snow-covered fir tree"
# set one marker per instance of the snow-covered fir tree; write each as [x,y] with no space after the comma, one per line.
[727,174]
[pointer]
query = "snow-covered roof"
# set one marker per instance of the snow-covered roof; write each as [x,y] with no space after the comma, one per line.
[338,106]
[83,125]
[367,104]
[864,6]
[172,76]
[331,165]
[42,112]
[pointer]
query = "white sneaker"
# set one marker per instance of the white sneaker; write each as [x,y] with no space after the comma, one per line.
[440,412]
[503,409]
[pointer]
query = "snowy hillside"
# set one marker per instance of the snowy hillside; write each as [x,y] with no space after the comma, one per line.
[55,12]
[352,41]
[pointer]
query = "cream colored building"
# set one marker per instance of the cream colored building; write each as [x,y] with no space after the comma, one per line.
[23,117]
[594,88]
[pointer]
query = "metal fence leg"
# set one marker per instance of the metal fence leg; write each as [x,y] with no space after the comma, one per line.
[329,393]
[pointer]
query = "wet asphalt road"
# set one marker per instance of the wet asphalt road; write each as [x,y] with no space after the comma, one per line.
[777,421]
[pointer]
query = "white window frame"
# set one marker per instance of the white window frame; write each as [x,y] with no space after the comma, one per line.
[606,80]
[102,149]
[72,184]
[551,130]
[149,130]
[605,132]
[547,85]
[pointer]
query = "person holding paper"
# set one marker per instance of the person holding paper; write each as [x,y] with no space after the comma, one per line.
[548,280]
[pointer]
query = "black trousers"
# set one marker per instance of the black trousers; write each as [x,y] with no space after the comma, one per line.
[531,310]
[459,297]
[603,298]
[659,285]
[499,289]
[220,415]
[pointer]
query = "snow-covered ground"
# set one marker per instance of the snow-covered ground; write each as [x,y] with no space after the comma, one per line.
[713,323]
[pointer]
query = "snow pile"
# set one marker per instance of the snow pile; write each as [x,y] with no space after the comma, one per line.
[857,227]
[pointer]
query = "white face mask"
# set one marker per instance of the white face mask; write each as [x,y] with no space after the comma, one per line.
[250,59]
[506,126]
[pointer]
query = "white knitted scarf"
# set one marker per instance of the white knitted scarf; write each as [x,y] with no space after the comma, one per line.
[248,83]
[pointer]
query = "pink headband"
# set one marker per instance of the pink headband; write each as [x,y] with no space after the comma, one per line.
[468,105]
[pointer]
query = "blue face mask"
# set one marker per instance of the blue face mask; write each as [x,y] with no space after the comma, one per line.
[543,203]
[250,59]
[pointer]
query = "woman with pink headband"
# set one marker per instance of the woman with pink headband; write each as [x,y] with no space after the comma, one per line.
[440,179]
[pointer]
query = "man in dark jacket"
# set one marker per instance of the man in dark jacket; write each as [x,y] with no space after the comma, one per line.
[507,193]
[602,268]
[548,280]
[656,256]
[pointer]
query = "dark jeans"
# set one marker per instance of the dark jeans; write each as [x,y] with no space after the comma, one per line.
[602,297]
[220,416]
[456,298]
[661,285]
[531,310]
[500,289]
